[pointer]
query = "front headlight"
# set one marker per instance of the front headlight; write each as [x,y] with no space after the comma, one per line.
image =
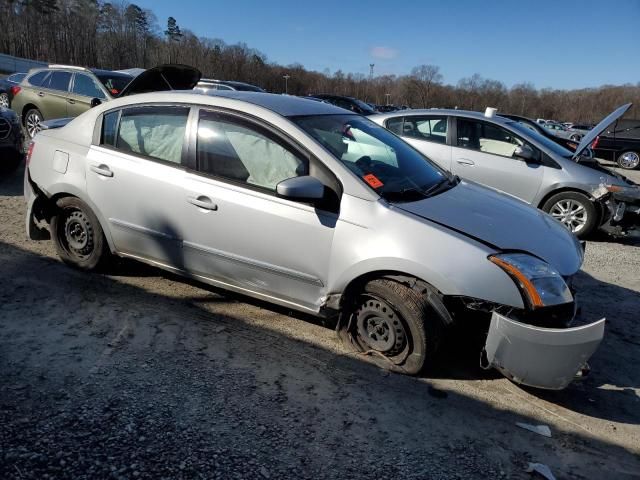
[539,282]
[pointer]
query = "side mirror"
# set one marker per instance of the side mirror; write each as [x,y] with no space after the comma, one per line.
[301,189]
[525,153]
[95,102]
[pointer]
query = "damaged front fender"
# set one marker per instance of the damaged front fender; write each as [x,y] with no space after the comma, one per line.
[546,358]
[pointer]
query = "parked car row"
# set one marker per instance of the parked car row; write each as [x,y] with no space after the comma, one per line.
[322,210]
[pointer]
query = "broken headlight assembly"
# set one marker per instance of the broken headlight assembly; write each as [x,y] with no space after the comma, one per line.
[540,284]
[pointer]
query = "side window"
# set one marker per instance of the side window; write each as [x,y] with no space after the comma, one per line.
[109,128]
[395,125]
[58,81]
[488,138]
[433,129]
[156,132]
[240,151]
[37,79]
[85,86]
[223,87]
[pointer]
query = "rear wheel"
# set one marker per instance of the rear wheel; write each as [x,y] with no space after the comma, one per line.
[77,234]
[574,210]
[393,321]
[4,100]
[33,122]
[628,160]
[575,137]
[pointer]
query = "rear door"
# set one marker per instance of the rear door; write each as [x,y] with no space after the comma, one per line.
[84,89]
[54,95]
[485,153]
[427,133]
[135,178]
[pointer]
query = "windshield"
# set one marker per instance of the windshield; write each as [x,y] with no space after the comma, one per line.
[243,87]
[388,165]
[114,82]
[541,139]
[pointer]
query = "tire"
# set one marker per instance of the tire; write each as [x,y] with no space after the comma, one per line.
[32,122]
[77,234]
[574,210]
[401,324]
[628,160]
[575,137]
[4,100]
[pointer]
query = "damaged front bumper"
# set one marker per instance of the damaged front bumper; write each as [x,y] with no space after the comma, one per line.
[622,210]
[539,357]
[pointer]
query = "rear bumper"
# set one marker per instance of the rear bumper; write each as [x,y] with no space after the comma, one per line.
[34,217]
[547,358]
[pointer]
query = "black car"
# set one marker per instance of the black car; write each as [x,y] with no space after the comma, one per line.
[348,103]
[620,143]
[11,140]
[536,127]
[6,93]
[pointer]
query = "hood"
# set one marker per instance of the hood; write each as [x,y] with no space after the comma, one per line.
[503,222]
[601,127]
[162,78]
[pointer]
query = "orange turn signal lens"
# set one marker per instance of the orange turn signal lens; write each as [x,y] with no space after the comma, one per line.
[525,283]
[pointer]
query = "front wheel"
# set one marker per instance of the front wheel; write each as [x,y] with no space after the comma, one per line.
[574,210]
[77,234]
[628,160]
[4,100]
[393,321]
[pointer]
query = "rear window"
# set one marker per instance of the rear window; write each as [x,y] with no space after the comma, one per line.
[17,77]
[114,82]
[37,78]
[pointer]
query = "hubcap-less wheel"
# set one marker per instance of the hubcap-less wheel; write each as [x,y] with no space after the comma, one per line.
[33,123]
[4,100]
[571,213]
[629,160]
[576,138]
[78,235]
[379,327]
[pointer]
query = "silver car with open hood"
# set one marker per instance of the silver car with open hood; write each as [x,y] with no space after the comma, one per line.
[308,206]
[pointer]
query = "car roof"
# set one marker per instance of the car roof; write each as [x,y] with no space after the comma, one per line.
[284,105]
[442,111]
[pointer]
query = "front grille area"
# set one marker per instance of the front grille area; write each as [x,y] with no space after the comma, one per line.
[5,129]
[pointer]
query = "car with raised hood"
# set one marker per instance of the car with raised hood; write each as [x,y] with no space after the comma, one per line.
[320,210]
[513,158]
[61,91]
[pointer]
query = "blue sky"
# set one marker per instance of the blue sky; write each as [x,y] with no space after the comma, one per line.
[559,44]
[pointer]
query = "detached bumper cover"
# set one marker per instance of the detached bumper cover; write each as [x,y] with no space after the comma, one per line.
[546,358]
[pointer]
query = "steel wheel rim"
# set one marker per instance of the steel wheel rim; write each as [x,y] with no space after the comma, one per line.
[33,124]
[4,100]
[571,213]
[379,327]
[76,234]
[629,160]
[576,138]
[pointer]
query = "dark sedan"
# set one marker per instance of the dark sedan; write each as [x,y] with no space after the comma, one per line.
[5,88]
[11,140]
[348,103]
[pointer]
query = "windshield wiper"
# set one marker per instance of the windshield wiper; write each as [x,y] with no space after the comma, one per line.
[435,188]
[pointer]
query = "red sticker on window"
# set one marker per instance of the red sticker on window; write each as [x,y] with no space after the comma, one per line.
[373,181]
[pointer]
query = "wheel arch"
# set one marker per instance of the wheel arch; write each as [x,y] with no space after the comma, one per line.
[25,109]
[600,210]
[62,191]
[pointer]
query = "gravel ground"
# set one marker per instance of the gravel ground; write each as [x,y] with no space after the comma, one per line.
[140,374]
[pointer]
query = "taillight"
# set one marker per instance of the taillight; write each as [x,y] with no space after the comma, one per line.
[594,144]
[15,90]
[27,157]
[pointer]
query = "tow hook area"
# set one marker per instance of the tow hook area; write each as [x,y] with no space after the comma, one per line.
[549,358]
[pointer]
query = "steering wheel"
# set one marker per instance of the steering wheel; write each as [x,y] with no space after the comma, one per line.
[365,163]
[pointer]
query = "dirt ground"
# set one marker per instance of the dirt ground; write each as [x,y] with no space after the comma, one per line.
[141,374]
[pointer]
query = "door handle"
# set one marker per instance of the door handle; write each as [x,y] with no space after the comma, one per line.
[465,161]
[202,202]
[41,94]
[102,169]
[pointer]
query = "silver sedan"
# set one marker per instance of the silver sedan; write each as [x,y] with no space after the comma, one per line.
[309,206]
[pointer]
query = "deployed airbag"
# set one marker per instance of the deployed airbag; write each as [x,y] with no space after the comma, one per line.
[540,357]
